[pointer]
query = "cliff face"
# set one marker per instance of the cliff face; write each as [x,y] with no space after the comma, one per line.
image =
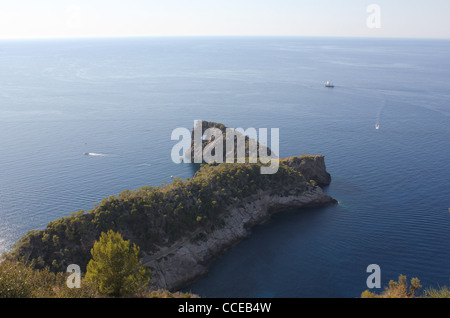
[180,264]
[311,167]
[210,144]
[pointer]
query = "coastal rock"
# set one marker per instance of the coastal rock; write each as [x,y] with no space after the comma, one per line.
[312,167]
[209,144]
[185,261]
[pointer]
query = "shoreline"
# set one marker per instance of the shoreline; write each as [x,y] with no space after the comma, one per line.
[187,260]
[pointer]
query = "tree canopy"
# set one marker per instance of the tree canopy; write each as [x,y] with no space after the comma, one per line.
[115,267]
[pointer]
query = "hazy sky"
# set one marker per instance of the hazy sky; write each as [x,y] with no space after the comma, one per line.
[93,18]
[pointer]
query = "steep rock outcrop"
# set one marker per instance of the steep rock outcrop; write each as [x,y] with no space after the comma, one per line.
[210,143]
[312,167]
[180,264]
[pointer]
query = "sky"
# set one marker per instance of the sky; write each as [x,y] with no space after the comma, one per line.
[112,18]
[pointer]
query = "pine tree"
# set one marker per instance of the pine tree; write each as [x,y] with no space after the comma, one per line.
[115,267]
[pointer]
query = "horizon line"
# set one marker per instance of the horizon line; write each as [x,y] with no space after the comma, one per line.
[222,36]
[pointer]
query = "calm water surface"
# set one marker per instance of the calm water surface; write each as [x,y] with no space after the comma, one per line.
[122,98]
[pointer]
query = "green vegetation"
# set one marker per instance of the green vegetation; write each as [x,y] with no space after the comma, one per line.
[22,281]
[154,216]
[115,268]
[114,271]
[402,289]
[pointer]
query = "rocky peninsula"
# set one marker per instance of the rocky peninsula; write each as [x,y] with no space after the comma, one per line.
[184,226]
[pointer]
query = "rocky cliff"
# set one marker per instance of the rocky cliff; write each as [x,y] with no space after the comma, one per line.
[311,167]
[209,143]
[180,264]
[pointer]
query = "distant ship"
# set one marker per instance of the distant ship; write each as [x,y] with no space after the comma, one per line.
[377,126]
[329,84]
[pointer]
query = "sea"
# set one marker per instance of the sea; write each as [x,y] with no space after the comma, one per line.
[119,99]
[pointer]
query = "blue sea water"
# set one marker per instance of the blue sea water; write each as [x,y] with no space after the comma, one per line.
[122,98]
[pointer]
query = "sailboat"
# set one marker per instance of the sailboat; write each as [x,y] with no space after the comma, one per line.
[377,126]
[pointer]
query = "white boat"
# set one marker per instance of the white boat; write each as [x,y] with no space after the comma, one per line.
[377,126]
[329,84]
[93,154]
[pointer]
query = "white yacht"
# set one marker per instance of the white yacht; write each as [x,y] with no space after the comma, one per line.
[329,84]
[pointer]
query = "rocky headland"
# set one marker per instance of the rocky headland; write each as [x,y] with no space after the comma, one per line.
[184,226]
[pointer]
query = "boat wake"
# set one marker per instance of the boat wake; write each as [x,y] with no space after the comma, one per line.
[377,123]
[93,154]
